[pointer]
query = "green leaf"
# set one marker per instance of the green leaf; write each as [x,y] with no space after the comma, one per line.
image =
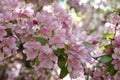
[33,78]
[51,1]
[109,46]
[42,41]
[63,72]
[62,58]
[19,42]
[108,36]
[116,11]
[62,61]
[27,1]
[62,64]
[37,32]
[98,65]
[59,52]
[37,62]
[9,32]
[102,48]
[53,33]
[87,44]
[21,77]
[110,69]
[105,59]
[14,21]
[31,71]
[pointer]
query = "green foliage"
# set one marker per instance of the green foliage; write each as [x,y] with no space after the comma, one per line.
[14,22]
[62,61]
[36,62]
[33,78]
[42,41]
[27,1]
[51,1]
[9,32]
[37,32]
[63,72]
[87,44]
[108,36]
[107,47]
[62,58]
[59,52]
[53,33]
[110,69]
[31,71]
[19,42]
[105,59]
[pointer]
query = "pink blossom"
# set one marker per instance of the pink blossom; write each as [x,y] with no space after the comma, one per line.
[41,72]
[116,64]
[116,54]
[58,41]
[117,76]
[97,73]
[43,2]
[58,29]
[28,12]
[94,42]
[76,73]
[45,32]
[73,63]
[32,49]
[74,67]
[2,33]
[115,19]
[9,45]
[11,3]
[76,4]
[25,11]
[34,1]
[47,60]
[116,41]
[18,29]
[46,49]
[107,51]
[35,22]
[45,18]
[65,19]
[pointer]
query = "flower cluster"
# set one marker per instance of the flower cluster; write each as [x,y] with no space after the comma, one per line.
[43,39]
[39,42]
[109,63]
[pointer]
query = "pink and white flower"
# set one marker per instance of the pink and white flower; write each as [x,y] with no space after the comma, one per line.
[47,60]
[32,49]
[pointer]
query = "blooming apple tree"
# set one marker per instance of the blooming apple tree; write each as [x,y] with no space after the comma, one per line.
[47,44]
